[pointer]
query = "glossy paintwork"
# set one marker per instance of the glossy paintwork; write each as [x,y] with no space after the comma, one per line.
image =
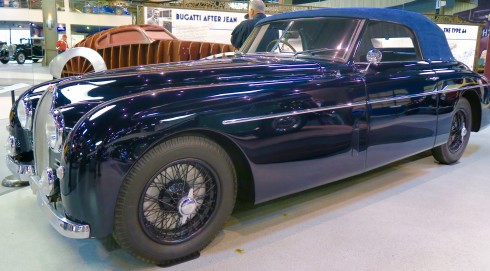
[341,142]
[289,124]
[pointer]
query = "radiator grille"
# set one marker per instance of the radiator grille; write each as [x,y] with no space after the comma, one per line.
[41,148]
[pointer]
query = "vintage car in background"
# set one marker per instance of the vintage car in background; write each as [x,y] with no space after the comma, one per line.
[128,46]
[105,8]
[156,155]
[4,52]
[27,49]
[11,3]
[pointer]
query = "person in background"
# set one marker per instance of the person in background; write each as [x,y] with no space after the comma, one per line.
[155,19]
[256,9]
[62,45]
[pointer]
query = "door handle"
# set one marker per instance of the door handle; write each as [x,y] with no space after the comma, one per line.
[433,78]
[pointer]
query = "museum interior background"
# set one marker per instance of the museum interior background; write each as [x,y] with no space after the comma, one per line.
[43,22]
[201,20]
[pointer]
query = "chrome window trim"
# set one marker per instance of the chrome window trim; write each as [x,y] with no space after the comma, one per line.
[335,107]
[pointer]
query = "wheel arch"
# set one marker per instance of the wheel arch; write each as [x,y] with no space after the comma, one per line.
[474,101]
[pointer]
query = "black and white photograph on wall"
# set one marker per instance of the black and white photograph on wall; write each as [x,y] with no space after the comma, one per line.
[159,16]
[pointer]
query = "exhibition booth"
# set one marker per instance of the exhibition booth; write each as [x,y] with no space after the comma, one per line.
[346,136]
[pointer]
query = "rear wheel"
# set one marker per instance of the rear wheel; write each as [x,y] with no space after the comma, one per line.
[4,61]
[35,60]
[175,200]
[459,135]
[21,58]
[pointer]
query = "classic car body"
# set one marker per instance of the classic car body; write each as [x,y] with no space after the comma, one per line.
[128,46]
[156,155]
[27,49]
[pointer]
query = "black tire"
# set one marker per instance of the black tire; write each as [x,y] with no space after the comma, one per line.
[4,61]
[149,219]
[21,58]
[453,149]
[35,60]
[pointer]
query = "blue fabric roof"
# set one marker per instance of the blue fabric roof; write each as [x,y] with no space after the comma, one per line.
[432,40]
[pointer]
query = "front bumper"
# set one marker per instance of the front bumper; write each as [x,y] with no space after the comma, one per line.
[58,220]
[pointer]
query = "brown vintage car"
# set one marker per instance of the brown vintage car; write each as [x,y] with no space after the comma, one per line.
[132,45]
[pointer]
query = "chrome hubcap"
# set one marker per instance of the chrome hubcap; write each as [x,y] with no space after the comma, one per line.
[187,206]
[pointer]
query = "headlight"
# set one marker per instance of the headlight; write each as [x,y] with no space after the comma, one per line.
[54,130]
[24,113]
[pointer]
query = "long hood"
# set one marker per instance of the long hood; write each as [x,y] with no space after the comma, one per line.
[104,86]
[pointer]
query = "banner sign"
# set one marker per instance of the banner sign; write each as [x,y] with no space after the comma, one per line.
[462,41]
[199,25]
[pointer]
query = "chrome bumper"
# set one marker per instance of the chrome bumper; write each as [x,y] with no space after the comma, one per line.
[58,220]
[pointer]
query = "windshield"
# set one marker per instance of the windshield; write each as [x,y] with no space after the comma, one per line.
[327,38]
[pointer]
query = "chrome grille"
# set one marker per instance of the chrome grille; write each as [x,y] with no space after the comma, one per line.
[41,148]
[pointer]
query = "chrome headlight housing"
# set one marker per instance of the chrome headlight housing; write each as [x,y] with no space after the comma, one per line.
[55,126]
[24,113]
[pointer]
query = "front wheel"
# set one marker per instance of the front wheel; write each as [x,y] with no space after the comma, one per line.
[21,58]
[459,135]
[175,200]
[4,61]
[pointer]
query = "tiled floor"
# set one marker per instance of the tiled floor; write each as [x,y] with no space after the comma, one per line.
[411,215]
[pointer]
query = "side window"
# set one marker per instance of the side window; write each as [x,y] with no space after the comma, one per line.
[396,42]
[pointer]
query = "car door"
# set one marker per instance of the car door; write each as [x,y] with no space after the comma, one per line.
[291,152]
[400,94]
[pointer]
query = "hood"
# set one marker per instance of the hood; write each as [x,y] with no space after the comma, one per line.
[104,86]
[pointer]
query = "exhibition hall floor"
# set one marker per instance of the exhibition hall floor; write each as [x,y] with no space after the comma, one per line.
[410,215]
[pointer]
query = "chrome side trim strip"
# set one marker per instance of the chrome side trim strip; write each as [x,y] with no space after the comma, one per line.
[291,113]
[382,100]
[327,108]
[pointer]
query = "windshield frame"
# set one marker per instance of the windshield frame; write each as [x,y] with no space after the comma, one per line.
[352,42]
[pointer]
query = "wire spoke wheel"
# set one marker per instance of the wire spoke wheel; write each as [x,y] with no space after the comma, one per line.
[458,132]
[178,201]
[175,199]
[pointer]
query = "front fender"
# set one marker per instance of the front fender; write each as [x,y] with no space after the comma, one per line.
[98,154]
[58,63]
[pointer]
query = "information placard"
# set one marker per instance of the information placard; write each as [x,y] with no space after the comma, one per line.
[462,41]
[200,25]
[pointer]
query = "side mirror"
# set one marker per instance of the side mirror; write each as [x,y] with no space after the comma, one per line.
[373,56]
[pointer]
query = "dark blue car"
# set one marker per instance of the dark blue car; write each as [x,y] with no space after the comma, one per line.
[101,8]
[157,155]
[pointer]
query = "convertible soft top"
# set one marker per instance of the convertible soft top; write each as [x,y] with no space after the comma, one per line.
[432,40]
